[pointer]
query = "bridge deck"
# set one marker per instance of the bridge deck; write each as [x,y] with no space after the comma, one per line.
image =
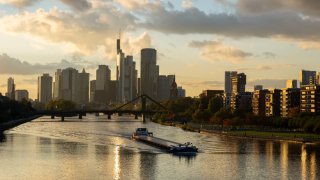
[161,143]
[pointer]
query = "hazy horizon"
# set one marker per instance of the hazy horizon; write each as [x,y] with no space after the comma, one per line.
[196,40]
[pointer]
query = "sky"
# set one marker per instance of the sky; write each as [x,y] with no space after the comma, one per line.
[197,40]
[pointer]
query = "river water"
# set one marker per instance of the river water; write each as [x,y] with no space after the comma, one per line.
[98,148]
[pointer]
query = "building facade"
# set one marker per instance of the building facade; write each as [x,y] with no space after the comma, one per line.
[149,72]
[292,83]
[181,92]
[272,99]
[44,88]
[259,102]
[310,99]
[21,94]
[11,87]
[228,81]
[307,77]
[289,98]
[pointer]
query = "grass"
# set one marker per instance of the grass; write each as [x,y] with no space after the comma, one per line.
[275,134]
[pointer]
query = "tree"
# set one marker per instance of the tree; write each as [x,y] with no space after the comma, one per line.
[215,104]
[60,105]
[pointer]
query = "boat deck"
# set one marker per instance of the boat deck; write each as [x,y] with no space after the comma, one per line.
[160,143]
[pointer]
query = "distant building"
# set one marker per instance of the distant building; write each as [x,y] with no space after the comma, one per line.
[310,99]
[103,77]
[44,88]
[92,90]
[164,86]
[258,87]
[259,102]
[57,85]
[292,83]
[228,82]
[11,88]
[211,93]
[273,103]
[149,72]
[241,101]
[82,88]
[127,76]
[181,92]
[238,90]
[227,100]
[289,98]
[21,94]
[71,85]
[307,77]
[239,83]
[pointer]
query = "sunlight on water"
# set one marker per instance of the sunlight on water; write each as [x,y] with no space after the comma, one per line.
[98,148]
[117,169]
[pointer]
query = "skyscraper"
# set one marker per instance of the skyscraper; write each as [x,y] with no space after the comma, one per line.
[57,94]
[239,83]
[11,88]
[103,77]
[228,81]
[44,88]
[258,87]
[72,85]
[126,76]
[307,77]
[21,94]
[292,83]
[149,72]
[164,86]
[181,92]
[81,95]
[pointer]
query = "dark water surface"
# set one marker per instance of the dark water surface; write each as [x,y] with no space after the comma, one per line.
[97,148]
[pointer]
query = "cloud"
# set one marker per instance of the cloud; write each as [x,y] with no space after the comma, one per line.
[269,55]
[217,51]
[187,4]
[268,83]
[19,3]
[85,31]
[79,5]
[270,24]
[11,65]
[132,4]
[310,8]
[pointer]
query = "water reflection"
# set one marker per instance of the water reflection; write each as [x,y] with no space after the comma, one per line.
[117,169]
[284,160]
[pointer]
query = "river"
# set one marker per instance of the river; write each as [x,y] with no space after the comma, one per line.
[98,148]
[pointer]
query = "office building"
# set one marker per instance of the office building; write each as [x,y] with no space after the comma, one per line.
[241,101]
[164,86]
[57,85]
[292,83]
[149,72]
[92,91]
[289,98]
[72,85]
[228,81]
[181,92]
[272,100]
[44,88]
[21,94]
[103,77]
[11,88]
[239,83]
[307,77]
[259,102]
[257,87]
[211,93]
[126,76]
[310,99]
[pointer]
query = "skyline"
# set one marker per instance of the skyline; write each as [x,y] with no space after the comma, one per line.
[205,38]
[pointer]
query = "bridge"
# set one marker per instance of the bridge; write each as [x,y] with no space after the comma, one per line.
[109,112]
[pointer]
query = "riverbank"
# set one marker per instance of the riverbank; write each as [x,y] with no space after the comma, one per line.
[14,123]
[299,137]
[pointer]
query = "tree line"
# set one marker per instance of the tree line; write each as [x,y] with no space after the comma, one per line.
[207,110]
